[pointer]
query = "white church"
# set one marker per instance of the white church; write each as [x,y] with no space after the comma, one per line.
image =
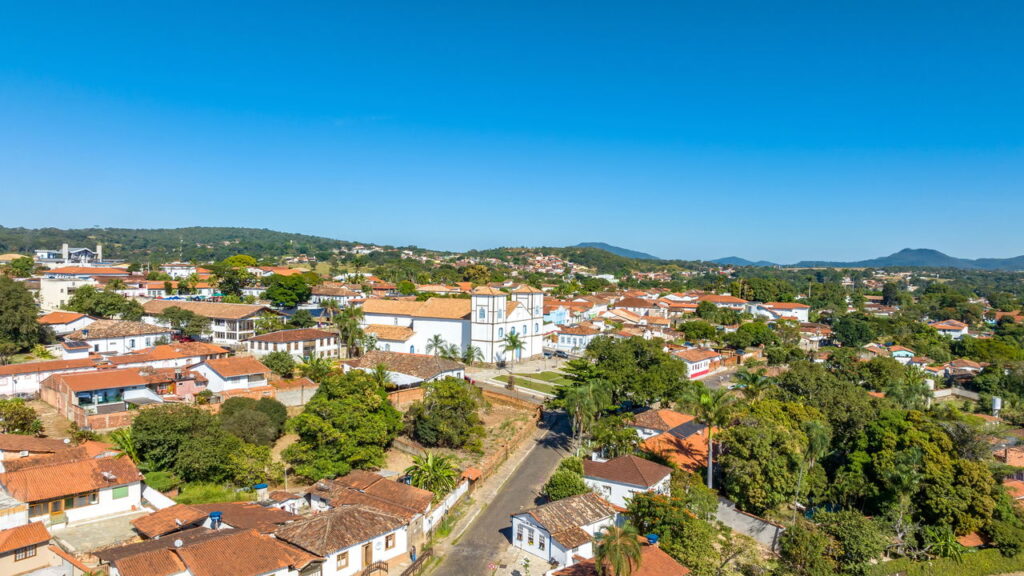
[483,321]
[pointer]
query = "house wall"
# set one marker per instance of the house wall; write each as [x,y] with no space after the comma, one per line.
[54,293]
[106,505]
[13,517]
[125,344]
[42,559]
[355,554]
[62,329]
[569,342]
[619,493]
[320,347]
[523,525]
[29,383]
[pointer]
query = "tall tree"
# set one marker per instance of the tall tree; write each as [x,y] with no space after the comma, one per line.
[350,331]
[513,344]
[618,551]
[711,407]
[435,345]
[18,309]
[434,472]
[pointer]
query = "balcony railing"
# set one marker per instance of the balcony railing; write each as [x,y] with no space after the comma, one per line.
[375,568]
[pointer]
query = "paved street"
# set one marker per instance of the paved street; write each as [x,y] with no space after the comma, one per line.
[486,540]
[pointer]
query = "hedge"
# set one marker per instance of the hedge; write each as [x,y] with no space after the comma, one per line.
[979,563]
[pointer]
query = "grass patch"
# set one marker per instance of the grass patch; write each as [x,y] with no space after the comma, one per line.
[979,563]
[524,383]
[551,377]
[200,493]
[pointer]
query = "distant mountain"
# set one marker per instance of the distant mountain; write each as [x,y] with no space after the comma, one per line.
[737,261]
[624,252]
[924,258]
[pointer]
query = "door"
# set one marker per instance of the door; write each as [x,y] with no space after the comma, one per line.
[367,554]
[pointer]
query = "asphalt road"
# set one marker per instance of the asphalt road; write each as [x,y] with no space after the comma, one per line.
[485,540]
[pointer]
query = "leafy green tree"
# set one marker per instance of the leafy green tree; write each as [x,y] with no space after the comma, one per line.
[853,330]
[17,417]
[287,291]
[685,537]
[434,472]
[447,416]
[618,551]
[567,480]
[751,334]
[860,540]
[406,287]
[207,457]
[123,441]
[634,369]
[890,294]
[613,438]
[252,464]
[807,551]
[250,426]
[301,319]
[160,433]
[347,424]
[185,321]
[316,368]
[105,304]
[18,311]
[698,330]
[22,267]
[584,403]
[281,363]
[350,332]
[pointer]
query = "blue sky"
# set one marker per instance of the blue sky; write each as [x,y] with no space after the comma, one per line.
[775,130]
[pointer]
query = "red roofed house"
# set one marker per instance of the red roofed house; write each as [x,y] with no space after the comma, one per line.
[951,328]
[699,361]
[26,549]
[236,375]
[301,343]
[575,338]
[62,322]
[618,479]
[562,531]
[777,310]
[724,301]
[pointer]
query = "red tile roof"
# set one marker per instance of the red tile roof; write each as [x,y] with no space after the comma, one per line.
[297,335]
[627,469]
[19,537]
[57,477]
[59,317]
[661,420]
[237,366]
[653,562]
[170,519]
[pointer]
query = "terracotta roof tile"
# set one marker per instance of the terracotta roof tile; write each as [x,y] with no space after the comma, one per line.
[116,329]
[244,553]
[627,469]
[120,378]
[563,518]
[162,562]
[237,366]
[56,477]
[421,366]
[218,310]
[22,536]
[389,332]
[653,562]
[338,529]
[248,515]
[661,420]
[690,453]
[59,317]
[170,519]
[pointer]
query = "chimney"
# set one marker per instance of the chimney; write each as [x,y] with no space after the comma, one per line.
[64,252]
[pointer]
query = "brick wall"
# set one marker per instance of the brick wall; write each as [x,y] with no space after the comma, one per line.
[403,398]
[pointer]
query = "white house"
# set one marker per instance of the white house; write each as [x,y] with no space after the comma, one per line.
[62,322]
[301,343]
[349,539]
[73,486]
[482,321]
[178,270]
[234,374]
[338,292]
[951,328]
[230,324]
[618,479]
[359,487]
[561,530]
[699,361]
[112,337]
[407,369]
[779,310]
[54,293]
[575,338]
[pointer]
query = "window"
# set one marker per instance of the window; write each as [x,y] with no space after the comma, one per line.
[501,332]
[529,536]
[26,552]
[519,533]
[131,343]
[501,313]
[525,331]
[342,561]
[512,330]
[120,492]
[481,313]
[412,349]
[536,327]
[389,541]
[541,541]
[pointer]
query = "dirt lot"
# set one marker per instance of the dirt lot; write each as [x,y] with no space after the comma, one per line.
[54,425]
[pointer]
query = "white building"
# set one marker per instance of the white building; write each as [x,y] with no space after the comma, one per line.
[699,361]
[618,479]
[954,329]
[54,293]
[483,321]
[301,343]
[62,322]
[349,539]
[781,310]
[234,374]
[561,530]
[575,338]
[230,324]
[178,270]
[112,337]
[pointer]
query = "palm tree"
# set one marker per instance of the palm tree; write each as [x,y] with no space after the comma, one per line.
[433,472]
[316,368]
[752,384]
[472,355]
[382,376]
[711,407]
[451,352]
[350,331]
[618,551]
[125,444]
[513,343]
[584,402]
[818,440]
[330,306]
[435,345]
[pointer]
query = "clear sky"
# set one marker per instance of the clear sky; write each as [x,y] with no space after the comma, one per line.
[774,130]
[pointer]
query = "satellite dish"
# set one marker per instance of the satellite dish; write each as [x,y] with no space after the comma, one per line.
[178,543]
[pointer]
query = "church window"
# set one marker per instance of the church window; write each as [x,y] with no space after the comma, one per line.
[481,312]
[501,332]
